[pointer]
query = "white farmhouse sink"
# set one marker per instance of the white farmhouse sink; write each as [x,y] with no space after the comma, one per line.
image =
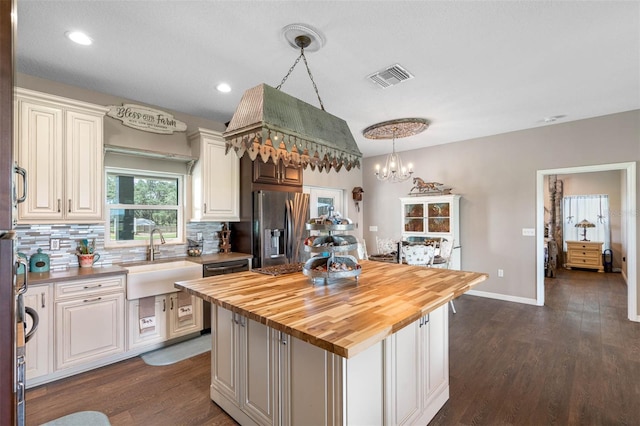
[153,279]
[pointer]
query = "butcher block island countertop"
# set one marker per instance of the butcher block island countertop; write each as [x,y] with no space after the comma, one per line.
[344,317]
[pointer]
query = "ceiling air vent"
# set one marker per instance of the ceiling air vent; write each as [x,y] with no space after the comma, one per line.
[390,76]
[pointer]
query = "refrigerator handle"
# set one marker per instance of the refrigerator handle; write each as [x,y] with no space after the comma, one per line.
[289,231]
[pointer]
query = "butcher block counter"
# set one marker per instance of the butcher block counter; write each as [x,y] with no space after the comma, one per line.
[344,317]
[286,351]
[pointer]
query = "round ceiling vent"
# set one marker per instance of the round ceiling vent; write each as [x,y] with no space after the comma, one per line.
[292,31]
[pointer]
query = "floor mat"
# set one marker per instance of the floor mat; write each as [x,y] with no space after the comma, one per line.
[81,418]
[179,351]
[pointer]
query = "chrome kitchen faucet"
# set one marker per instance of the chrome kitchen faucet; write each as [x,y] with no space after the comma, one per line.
[155,250]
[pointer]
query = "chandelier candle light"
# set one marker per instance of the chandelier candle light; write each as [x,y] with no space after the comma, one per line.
[394,170]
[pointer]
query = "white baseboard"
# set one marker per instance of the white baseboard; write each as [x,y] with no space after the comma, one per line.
[504,297]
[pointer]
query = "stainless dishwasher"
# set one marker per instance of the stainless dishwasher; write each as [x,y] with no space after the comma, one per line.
[219,268]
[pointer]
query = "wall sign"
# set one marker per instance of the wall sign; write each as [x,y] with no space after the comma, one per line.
[146,119]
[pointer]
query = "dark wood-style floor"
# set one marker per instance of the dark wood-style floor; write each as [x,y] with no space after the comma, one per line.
[575,361]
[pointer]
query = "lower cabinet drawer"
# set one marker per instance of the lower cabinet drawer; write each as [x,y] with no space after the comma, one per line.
[90,287]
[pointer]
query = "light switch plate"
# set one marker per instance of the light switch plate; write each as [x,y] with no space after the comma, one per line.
[373,228]
[529,232]
[54,244]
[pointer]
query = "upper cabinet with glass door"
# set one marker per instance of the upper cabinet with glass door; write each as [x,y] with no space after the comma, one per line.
[432,217]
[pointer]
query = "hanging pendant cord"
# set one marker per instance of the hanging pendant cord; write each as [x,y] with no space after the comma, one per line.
[308,72]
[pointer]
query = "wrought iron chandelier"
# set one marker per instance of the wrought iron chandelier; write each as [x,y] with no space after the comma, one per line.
[394,170]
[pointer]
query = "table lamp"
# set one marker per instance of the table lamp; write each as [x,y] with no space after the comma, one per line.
[584,224]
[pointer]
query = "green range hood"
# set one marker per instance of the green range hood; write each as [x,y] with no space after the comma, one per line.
[270,124]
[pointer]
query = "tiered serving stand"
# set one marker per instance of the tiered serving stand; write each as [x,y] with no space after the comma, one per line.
[331,261]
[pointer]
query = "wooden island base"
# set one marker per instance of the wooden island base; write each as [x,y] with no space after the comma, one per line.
[375,352]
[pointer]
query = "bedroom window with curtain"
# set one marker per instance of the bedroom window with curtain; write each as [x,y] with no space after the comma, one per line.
[595,209]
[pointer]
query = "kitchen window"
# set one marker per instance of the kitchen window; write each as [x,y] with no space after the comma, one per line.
[138,201]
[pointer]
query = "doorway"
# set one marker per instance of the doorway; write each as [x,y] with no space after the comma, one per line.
[629,231]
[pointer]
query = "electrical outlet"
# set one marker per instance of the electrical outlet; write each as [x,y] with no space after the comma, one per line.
[373,228]
[500,273]
[529,232]
[54,244]
[199,236]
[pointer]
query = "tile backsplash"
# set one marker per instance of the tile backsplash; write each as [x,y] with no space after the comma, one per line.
[33,237]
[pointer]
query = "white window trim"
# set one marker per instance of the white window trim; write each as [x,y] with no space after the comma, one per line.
[181,227]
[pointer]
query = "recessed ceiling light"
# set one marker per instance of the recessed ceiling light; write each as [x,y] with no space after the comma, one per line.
[223,87]
[79,37]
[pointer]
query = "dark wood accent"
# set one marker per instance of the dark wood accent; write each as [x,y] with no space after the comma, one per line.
[276,174]
[260,176]
[6,115]
[573,361]
[7,304]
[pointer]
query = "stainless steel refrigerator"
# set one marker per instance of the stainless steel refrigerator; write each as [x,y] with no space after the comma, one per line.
[275,235]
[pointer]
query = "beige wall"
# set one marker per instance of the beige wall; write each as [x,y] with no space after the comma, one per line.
[496,177]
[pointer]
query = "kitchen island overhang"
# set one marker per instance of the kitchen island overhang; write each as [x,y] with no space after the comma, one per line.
[343,317]
[288,352]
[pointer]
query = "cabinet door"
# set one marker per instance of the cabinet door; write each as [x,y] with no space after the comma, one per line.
[39,151]
[413,214]
[437,353]
[184,319]
[83,166]
[438,217]
[224,353]
[260,383]
[404,365]
[139,338]
[290,175]
[306,391]
[268,172]
[221,182]
[276,174]
[88,329]
[39,358]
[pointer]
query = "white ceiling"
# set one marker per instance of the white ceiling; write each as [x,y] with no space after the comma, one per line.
[481,68]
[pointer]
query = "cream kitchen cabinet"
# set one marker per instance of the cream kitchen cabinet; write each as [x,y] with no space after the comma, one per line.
[89,317]
[169,323]
[417,370]
[39,354]
[59,142]
[181,324]
[244,368]
[215,179]
[261,376]
[139,338]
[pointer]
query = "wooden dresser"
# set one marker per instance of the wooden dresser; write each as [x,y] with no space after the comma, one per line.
[585,254]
